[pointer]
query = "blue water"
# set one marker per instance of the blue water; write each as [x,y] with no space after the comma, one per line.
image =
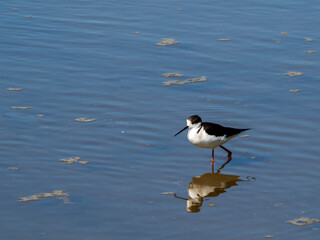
[84,59]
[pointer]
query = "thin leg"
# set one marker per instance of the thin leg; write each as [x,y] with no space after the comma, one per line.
[229,152]
[229,159]
[212,160]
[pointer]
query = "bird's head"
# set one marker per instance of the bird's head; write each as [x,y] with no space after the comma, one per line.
[193,121]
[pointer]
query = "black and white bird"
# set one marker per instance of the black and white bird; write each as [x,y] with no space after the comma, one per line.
[209,135]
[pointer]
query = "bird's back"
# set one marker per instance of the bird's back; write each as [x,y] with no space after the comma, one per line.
[218,130]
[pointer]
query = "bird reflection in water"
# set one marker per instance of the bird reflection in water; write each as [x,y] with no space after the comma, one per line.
[208,185]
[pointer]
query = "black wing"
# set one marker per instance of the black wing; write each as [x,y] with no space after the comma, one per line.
[218,130]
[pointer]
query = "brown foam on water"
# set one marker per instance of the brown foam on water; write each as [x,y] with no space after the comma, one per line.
[303,221]
[167,42]
[293,74]
[172,75]
[14,89]
[189,80]
[56,193]
[21,108]
[86,120]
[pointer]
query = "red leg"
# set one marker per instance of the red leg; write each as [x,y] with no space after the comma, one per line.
[212,159]
[229,152]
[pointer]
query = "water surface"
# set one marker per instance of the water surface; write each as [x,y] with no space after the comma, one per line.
[86,59]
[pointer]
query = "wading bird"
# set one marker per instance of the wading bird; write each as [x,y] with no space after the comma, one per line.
[209,135]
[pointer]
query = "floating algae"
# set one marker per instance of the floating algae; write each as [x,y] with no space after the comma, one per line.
[167,42]
[189,80]
[295,90]
[22,108]
[224,39]
[71,160]
[284,33]
[40,115]
[83,162]
[211,204]
[293,74]
[303,221]
[310,51]
[167,193]
[172,75]
[56,193]
[308,39]
[85,120]
[13,168]
[245,136]
[14,89]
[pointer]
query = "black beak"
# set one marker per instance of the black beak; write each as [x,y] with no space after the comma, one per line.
[181,131]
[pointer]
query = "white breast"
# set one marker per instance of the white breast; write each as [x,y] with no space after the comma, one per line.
[203,140]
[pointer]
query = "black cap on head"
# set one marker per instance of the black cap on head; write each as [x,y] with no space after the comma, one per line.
[194,119]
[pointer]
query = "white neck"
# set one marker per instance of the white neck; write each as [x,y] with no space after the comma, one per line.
[195,126]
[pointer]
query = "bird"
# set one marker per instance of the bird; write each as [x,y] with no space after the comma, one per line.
[210,135]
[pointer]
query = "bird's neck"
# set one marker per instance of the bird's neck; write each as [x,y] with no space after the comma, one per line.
[196,126]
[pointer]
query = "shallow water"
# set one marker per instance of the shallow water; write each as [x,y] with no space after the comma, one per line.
[85,60]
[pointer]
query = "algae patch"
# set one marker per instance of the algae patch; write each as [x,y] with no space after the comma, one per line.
[167,193]
[167,42]
[83,162]
[14,89]
[13,168]
[293,74]
[189,80]
[71,160]
[86,120]
[245,136]
[295,90]
[211,204]
[172,75]
[303,221]
[21,108]
[56,193]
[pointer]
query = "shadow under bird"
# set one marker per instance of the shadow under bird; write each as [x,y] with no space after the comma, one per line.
[210,135]
[205,186]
